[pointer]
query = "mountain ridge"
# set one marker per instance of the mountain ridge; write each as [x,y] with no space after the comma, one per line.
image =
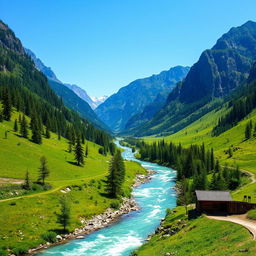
[133,98]
[70,98]
[218,72]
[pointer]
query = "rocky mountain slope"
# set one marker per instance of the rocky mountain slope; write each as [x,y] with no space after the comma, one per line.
[133,98]
[218,72]
[73,96]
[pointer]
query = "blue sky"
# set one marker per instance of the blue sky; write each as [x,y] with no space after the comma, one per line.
[102,45]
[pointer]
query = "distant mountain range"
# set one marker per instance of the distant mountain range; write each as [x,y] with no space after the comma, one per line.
[73,96]
[132,99]
[92,101]
[218,73]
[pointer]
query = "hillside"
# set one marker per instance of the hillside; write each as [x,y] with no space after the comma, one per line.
[197,237]
[22,212]
[218,72]
[133,98]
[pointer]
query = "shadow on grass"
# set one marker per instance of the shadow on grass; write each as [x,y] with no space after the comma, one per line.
[59,231]
[193,214]
[73,163]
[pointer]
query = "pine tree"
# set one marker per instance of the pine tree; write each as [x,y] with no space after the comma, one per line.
[248,130]
[221,183]
[43,170]
[213,184]
[47,133]
[184,194]
[15,127]
[217,166]
[26,184]
[212,159]
[79,154]
[86,151]
[116,175]
[7,107]
[36,130]
[70,145]
[24,127]
[63,218]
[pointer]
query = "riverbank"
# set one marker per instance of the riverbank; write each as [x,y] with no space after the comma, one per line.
[107,218]
[178,235]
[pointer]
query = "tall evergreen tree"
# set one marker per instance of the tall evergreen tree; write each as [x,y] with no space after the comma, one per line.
[7,106]
[43,170]
[26,184]
[248,130]
[116,175]
[36,129]
[86,151]
[63,218]
[47,133]
[79,152]
[24,127]
[15,127]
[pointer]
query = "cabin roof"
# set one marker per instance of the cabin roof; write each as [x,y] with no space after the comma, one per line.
[204,195]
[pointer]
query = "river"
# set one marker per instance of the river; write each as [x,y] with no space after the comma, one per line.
[130,232]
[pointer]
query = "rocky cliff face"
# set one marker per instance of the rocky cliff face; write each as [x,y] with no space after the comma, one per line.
[223,68]
[218,72]
[9,40]
[133,98]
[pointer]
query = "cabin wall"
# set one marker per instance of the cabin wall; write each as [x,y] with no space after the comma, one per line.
[231,207]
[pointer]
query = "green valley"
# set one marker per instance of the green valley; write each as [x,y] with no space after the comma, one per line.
[25,218]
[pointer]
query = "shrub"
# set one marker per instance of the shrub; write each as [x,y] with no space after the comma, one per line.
[49,237]
[3,252]
[115,204]
[20,250]
[252,214]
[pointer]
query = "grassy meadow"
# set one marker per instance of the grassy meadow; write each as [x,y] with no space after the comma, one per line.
[199,237]
[24,218]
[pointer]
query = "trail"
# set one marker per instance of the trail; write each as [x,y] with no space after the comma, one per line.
[238,219]
[51,190]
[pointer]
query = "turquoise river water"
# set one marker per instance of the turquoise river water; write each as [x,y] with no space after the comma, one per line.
[130,232]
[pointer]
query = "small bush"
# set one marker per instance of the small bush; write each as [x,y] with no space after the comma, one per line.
[252,214]
[3,252]
[49,237]
[115,204]
[20,250]
[101,151]
[36,187]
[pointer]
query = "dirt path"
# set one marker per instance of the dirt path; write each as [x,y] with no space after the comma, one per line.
[51,190]
[238,219]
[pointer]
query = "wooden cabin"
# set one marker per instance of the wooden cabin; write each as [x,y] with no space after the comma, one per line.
[220,201]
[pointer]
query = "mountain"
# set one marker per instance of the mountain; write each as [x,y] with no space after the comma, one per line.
[148,112]
[69,93]
[26,89]
[99,100]
[47,71]
[82,94]
[218,72]
[133,98]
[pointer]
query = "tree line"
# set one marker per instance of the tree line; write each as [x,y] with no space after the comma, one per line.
[196,165]
[27,90]
[239,109]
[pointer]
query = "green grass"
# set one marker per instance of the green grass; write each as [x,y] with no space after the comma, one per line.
[203,236]
[244,154]
[252,214]
[200,237]
[25,218]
